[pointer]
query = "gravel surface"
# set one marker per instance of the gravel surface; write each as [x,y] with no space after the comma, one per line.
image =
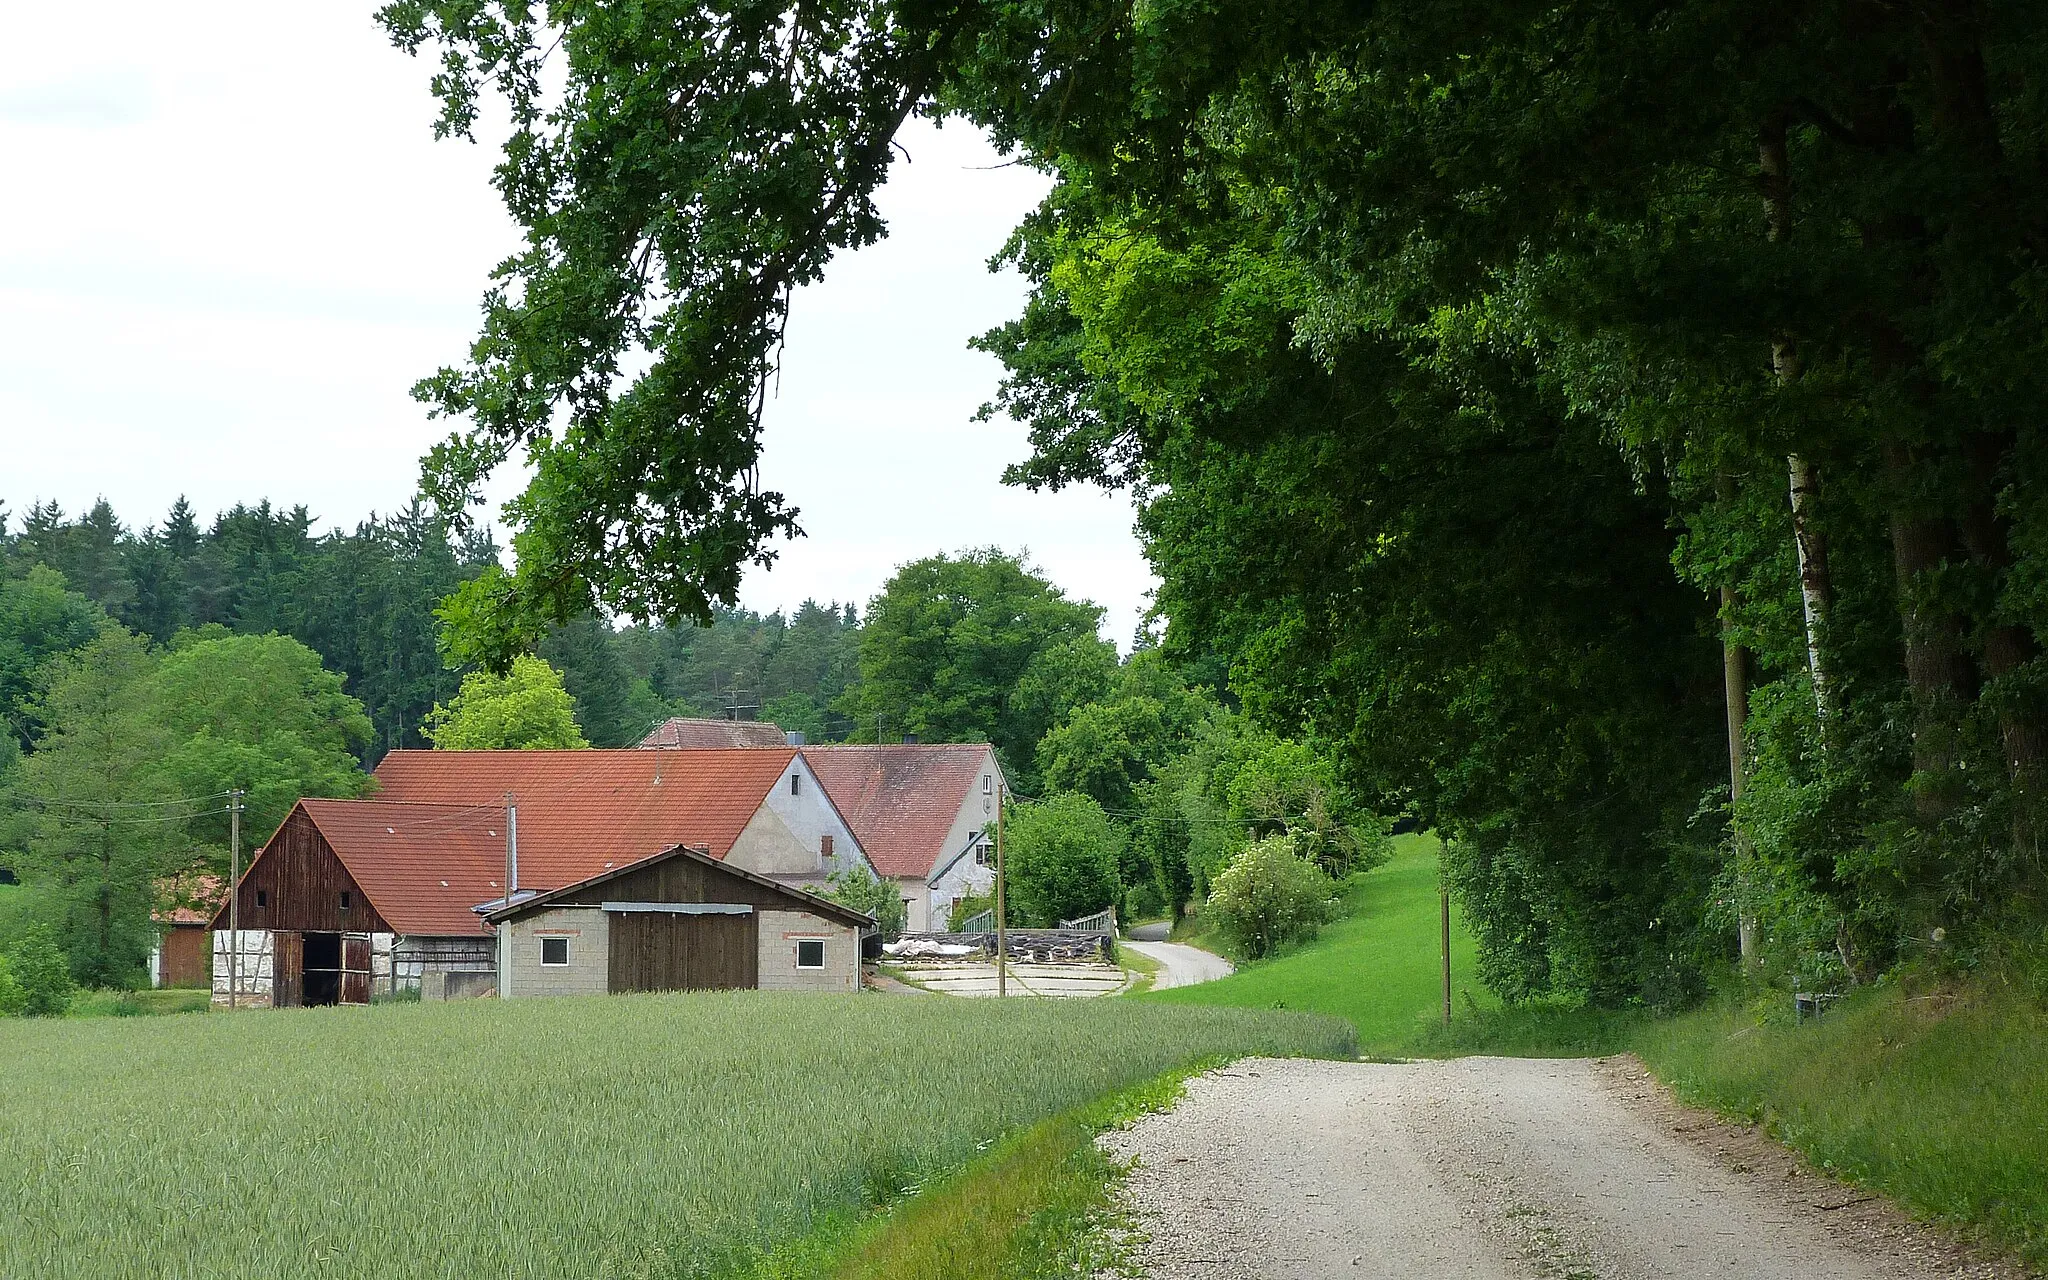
[1181,966]
[1488,1168]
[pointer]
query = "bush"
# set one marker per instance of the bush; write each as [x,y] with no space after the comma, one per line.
[1270,896]
[13,998]
[861,889]
[42,972]
[1061,859]
[966,907]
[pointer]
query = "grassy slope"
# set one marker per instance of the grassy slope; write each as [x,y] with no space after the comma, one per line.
[634,1135]
[1377,967]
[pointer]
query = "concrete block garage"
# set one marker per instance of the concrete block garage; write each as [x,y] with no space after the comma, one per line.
[678,921]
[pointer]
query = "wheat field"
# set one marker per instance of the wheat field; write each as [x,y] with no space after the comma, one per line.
[674,1135]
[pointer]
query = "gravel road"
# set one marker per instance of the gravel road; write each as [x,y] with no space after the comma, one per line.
[1181,966]
[1489,1169]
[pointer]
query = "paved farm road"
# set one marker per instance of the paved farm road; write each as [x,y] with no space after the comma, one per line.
[1484,1169]
[1181,966]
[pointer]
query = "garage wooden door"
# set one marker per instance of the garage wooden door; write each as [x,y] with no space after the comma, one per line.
[657,951]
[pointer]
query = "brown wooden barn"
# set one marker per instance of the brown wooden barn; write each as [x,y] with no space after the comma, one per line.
[678,921]
[350,897]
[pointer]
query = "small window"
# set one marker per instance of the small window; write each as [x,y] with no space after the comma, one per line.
[810,954]
[796,784]
[988,783]
[263,897]
[554,951]
[344,899]
[825,846]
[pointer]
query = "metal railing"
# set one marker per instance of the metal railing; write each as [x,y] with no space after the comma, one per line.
[979,922]
[1103,921]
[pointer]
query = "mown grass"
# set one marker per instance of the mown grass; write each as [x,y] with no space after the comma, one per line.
[1936,1097]
[628,1136]
[1378,967]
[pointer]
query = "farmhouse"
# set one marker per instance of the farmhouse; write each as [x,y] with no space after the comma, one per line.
[355,896]
[678,921]
[920,811]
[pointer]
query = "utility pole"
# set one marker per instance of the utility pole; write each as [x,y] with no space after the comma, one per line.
[1443,901]
[235,897]
[511,878]
[1002,921]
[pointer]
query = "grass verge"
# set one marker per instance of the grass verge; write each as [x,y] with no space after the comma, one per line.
[1936,1097]
[657,1136]
[1036,1206]
[1144,970]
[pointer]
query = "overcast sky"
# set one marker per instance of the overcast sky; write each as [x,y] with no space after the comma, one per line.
[230,245]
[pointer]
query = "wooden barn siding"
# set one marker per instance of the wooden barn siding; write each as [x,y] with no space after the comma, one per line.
[305,882]
[680,879]
[656,951]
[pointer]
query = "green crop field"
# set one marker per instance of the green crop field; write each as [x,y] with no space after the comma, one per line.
[1378,967]
[624,1136]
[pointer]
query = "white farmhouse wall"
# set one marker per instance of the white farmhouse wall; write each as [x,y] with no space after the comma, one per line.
[588,932]
[936,896]
[253,953]
[780,931]
[786,834]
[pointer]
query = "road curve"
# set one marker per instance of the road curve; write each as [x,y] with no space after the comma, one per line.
[1181,965]
[1481,1169]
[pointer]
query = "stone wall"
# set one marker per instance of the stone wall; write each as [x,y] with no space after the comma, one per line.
[587,932]
[780,931]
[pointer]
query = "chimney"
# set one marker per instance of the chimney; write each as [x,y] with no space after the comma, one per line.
[910,739]
[794,738]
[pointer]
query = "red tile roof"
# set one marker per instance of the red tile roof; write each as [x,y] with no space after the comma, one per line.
[901,798]
[422,866]
[441,816]
[699,734]
[189,898]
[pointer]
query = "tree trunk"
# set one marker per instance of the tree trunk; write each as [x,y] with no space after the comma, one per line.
[1735,684]
[1937,668]
[2008,646]
[1816,586]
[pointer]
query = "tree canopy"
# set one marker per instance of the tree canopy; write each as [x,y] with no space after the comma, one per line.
[1580,414]
[525,709]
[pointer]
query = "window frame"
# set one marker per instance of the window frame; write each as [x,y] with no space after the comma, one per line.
[801,943]
[546,963]
[796,779]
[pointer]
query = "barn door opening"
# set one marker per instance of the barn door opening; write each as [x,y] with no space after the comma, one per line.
[323,969]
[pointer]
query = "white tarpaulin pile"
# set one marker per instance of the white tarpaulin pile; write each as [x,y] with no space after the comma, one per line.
[926,949]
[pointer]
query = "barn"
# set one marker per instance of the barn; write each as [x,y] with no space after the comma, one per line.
[355,897]
[678,921]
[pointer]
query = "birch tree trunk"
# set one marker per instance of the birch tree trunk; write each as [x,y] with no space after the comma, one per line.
[1816,586]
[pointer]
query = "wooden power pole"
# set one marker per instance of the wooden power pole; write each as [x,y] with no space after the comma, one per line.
[235,897]
[1002,921]
[1443,902]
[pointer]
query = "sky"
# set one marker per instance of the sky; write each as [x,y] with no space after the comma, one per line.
[231,244]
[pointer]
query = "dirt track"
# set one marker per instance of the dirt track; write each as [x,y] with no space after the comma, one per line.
[1489,1169]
